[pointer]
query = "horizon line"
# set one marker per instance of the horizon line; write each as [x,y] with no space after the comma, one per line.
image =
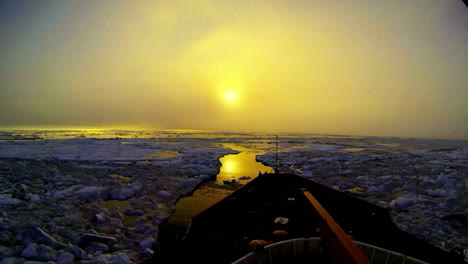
[146,128]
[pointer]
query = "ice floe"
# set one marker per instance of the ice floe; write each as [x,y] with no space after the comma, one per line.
[89,197]
[419,180]
[51,190]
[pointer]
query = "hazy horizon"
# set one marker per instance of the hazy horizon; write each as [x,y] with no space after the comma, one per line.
[359,68]
[184,130]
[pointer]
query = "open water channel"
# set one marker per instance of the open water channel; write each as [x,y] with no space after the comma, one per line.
[234,167]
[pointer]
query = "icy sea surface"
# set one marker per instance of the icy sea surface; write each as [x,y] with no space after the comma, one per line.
[98,196]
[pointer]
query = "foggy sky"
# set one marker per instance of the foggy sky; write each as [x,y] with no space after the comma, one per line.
[361,67]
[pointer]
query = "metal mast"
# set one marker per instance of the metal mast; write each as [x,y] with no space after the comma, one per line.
[277,165]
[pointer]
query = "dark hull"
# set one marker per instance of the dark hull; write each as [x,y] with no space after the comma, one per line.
[221,233]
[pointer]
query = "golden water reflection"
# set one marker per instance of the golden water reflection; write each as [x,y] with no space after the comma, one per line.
[354,149]
[162,154]
[235,166]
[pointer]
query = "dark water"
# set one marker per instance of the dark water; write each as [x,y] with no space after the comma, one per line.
[233,166]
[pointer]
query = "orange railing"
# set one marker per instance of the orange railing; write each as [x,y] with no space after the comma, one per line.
[340,247]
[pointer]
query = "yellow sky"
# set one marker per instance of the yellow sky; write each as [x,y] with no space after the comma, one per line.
[361,67]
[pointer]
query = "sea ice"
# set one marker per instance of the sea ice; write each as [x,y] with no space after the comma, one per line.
[55,181]
[7,199]
[419,179]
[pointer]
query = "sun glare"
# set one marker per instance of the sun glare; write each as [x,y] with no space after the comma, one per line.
[230,93]
[230,96]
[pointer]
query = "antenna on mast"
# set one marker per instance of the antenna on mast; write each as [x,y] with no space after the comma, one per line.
[277,165]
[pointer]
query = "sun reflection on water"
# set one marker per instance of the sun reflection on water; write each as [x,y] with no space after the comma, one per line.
[242,164]
[233,166]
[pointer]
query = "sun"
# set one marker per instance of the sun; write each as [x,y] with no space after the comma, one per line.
[230,96]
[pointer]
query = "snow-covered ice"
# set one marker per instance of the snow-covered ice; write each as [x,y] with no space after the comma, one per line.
[59,184]
[422,182]
[100,195]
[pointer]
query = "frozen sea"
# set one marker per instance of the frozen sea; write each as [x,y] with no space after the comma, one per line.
[99,195]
